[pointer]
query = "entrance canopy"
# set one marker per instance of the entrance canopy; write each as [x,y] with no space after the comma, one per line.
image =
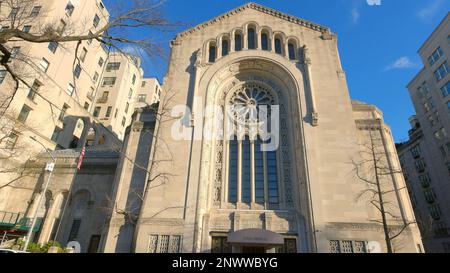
[255,237]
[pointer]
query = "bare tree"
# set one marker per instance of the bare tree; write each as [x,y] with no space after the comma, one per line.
[374,170]
[112,32]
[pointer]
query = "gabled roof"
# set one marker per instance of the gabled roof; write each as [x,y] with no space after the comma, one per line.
[259,8]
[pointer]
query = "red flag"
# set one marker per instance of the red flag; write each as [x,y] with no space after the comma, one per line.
[80,159]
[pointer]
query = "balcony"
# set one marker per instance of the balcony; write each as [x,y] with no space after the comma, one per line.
[16,222]
[102,100]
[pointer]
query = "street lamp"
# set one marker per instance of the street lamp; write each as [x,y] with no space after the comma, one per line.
[48,167]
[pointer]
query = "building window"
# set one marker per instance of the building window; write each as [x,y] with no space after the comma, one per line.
[83,54]
[70,8]
[70,89]
[430,195]
[435,56]
[435,211]
[112,66]
[56,134]
[425,180]
[420,165]
[142,97]
[130,93]
[445,89]
[94,243]
[97,111]
[95,78]
[100,62]
[415,151]
[290,246]
[278,48]
[423,89]
[2,75]
[96,20]
[108,111]
[143,84]
[86,105]
[13,13]
[133,81]
[11,141]
[251,38]
[126,107]
[109,81]
[264,41]
[52,46]
[426,107]
[225,47]
[77,71]
[442,71]
[219,244]
[124,120]
[35,11]
[347,246]
[74,229]
[237,42]
[164,244]
[23,115]
[247,155]
[15,51]
[33,90]
[26,29]
[212,53]
[62,27]
[116,112]
[44,64]
[89,41]
[291,49]
[62,115]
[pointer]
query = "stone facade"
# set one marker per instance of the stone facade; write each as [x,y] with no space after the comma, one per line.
[297,63]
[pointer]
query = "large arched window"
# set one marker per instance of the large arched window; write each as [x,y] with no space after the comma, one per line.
[252,172]
[251,38]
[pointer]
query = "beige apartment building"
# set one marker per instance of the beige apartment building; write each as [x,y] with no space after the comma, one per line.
[149,93]
[118,92]
[425,156]
[65,93]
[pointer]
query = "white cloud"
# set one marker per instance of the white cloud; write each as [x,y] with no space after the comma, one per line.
[401,63]
[355,15]
[430,10]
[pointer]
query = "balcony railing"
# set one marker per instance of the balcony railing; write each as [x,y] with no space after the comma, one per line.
[17,222]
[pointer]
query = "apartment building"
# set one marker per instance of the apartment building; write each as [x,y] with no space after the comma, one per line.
[118,92]
[60,84]
[425,157]
[149,93]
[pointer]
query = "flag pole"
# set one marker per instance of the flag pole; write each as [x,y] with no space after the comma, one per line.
[79,162]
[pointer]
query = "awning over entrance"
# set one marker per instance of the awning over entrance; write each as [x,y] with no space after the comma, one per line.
[256,237]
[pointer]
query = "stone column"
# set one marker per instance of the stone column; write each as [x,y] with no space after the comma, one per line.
[239,180]
[307,68]
[50,219]
[252,173]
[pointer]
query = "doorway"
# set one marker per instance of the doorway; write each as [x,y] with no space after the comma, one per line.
[253,249]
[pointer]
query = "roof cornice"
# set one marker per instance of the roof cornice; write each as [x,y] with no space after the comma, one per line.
[260,8]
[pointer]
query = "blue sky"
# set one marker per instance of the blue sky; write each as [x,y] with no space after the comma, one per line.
[378,44]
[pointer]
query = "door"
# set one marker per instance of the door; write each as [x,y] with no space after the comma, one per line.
[253,249]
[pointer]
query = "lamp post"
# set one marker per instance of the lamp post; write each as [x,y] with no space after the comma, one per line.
[48,167]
